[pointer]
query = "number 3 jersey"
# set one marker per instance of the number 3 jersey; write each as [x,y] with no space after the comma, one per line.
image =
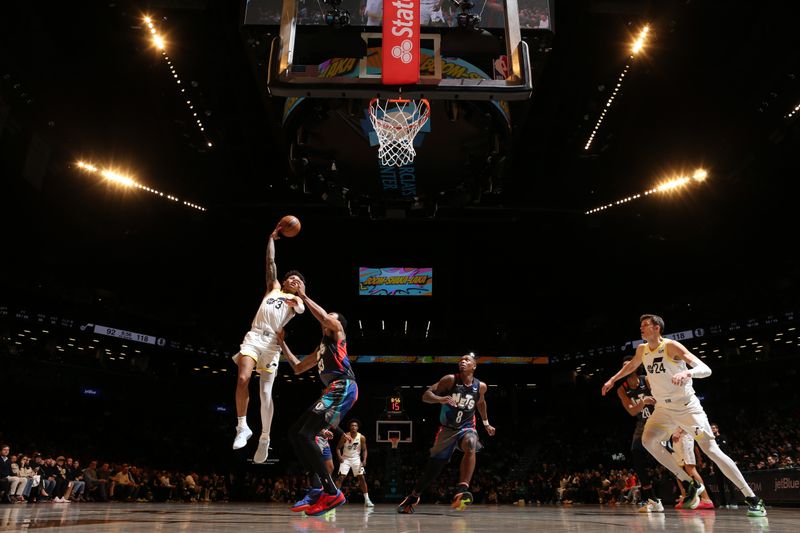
[660,369]
[332,361]
[466,397]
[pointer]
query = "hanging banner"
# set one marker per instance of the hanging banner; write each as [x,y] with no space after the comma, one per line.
[401,47]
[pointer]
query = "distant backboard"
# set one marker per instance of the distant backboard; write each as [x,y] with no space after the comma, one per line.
[313,59]
[388,428]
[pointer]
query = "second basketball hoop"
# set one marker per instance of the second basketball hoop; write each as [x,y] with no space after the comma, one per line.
[396,122]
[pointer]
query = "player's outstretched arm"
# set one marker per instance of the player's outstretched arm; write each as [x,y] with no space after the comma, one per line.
[432,394]
[328,320]
[626,369]
[481,405]
[272,268]
[308,362]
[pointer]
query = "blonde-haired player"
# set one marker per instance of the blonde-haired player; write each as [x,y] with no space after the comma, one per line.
[352,454]
[260,349]
[667,363]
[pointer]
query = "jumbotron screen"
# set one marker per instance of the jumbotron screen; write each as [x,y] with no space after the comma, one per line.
[395,281]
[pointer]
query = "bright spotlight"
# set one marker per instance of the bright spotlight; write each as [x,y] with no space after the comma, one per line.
[638,44]
[117,178]
[158,41]
[700,174]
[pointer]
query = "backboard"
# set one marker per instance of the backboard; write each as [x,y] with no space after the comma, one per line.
[310,58]
[387,428]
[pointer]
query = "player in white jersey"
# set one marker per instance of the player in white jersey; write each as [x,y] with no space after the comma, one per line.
[260,350]
[667,364]
[352,454]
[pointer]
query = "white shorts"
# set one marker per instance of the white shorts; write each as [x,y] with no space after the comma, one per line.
[354,463]
[262,348]
[686,414]
[684,450]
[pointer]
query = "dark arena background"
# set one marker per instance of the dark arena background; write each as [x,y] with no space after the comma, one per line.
[640,157]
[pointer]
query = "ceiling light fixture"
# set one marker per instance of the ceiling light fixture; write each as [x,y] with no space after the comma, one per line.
[673,184]
[127,181]
[160,43]
[636,47]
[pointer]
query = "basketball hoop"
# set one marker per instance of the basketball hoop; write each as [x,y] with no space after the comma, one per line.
[395,441]
[396,123]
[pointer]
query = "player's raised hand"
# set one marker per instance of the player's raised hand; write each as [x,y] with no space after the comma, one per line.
[276,233]
[298,286]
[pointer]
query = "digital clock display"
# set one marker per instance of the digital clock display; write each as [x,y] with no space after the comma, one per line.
[395,404]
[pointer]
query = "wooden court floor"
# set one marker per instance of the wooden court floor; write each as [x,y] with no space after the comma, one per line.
[252,518]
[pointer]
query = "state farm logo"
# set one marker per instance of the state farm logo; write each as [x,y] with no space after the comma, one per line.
[403,20]
[403,51]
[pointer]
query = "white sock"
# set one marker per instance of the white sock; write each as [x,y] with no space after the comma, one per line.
[241,422]
[366,496]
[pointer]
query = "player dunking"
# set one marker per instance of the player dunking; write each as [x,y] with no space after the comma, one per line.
[340,394]
[352,454]
[460,395]
[260,350]
[634,394]
[667,364]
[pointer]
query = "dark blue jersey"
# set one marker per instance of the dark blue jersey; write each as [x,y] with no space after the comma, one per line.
[637,394]
[466,396]
[332,361]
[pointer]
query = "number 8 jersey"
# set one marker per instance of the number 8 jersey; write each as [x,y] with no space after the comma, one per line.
[660,369]
[466,396]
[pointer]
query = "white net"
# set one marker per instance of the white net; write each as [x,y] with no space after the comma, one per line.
[396,123]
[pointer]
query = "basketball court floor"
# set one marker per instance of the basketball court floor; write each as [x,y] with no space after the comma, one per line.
[236,517]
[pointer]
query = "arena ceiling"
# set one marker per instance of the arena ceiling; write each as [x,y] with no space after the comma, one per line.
[715,88]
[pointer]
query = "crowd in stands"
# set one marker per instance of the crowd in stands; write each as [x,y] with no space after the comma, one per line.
[37,477]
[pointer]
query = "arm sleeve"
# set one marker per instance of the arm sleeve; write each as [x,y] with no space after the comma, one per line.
[701,370]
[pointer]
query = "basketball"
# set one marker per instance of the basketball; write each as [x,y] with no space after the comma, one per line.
[290,226]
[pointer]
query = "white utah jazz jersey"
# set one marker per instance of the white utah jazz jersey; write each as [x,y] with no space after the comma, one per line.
[352,450]
[660,369]
[274,312]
